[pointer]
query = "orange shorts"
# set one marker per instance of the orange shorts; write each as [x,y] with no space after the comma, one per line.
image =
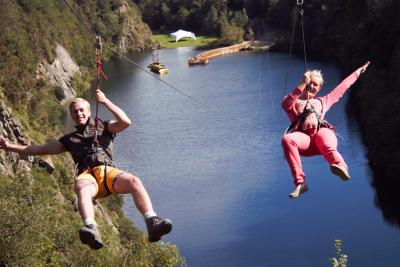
[96,176]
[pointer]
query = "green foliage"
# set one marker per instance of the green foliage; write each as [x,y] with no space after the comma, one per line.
[230,34]
[81,81]
[166,42]
[27,205]
[45,109]
[59,93]
[340,259]
[38,219]
[226,19]
[30,32]
[39,227]
[240,18]
[209,17]
[211,21]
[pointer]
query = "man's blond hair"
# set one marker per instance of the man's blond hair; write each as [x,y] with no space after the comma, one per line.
[77,100]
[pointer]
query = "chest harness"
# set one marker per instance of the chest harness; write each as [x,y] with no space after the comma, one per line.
[298,122]
[96,150]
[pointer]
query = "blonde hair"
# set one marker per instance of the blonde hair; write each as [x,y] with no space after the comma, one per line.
[77,100]
[318,74]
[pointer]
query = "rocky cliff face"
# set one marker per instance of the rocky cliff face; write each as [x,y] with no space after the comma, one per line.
[136,35]
[10,128]
[60,72]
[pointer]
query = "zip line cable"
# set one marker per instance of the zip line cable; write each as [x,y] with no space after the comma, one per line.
[130,60]
[81,19]
[155,76]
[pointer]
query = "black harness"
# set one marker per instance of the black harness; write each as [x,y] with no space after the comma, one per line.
[301,118]
[97,155]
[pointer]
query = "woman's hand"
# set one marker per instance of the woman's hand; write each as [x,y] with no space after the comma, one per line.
[363,68]
[306,78]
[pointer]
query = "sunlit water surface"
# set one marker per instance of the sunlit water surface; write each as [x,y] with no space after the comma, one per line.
[216,167]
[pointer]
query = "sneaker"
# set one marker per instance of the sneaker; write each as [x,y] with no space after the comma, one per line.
[157,227]
[90,236]
[340,171]
[300,189]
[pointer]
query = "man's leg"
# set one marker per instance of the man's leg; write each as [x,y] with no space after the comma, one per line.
[86,190]
[127,183]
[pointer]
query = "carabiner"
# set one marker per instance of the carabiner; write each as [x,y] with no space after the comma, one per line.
[99,45]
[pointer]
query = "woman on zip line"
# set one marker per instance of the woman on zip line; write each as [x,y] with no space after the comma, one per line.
[309,134]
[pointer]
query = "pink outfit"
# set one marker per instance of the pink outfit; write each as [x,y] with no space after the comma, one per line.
[313,141]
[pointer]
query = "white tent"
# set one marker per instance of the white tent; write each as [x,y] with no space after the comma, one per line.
[181,34]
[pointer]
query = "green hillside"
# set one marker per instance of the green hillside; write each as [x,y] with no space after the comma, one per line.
[39,222]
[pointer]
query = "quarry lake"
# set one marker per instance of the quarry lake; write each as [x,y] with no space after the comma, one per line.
[215,165]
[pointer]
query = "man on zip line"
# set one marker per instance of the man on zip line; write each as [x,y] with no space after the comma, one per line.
[91,148]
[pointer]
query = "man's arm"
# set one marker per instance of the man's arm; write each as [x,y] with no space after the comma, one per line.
[122,121]
[53,147]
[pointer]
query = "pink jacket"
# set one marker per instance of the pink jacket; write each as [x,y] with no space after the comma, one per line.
[289,101]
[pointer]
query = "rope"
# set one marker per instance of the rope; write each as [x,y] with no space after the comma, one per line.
[99,49]
[130,60]
[295,22]
[290,53]
[301,12]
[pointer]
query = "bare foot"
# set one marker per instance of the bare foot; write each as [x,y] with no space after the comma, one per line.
[300,189]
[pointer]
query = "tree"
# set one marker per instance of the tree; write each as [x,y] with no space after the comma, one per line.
[240,18]
[211,22]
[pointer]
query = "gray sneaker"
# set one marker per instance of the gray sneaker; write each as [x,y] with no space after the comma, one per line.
[90,236]
[157,227]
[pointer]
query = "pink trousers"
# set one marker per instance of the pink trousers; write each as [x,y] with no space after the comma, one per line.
[324,143]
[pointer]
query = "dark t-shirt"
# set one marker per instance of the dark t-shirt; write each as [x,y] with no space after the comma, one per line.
[80,142]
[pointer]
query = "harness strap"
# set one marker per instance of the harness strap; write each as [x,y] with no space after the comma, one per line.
[105,180]
[95,148]
[99,49]
[302,117]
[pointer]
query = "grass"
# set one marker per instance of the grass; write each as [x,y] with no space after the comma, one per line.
[167,42]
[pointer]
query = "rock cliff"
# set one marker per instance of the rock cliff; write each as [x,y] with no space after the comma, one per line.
[10,128]
[60,72]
